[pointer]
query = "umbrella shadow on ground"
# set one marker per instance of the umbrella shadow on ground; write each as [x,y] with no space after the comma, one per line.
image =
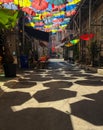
[12,98]
[53,95]
[80,75]
[90,110]
[90,83]
[55,92]
[58,84]
[36,119]
[20,84]
[95,78]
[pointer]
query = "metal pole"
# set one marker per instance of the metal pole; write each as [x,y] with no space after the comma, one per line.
[80,55]
[90,1]
[23,38]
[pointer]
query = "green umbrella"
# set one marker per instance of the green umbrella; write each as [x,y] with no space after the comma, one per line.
[74,41]
[8,18]
[57,2]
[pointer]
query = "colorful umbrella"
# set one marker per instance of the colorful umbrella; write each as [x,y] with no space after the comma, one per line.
[39,4]
[87,37]
[6,1]
[58,7]
[57,2]
[10,6]
[71,2]
[70,13]
[68,45]
[23,3]
[74,41]
[29,11]
[70,7]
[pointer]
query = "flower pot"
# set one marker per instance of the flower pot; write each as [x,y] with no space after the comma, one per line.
[10,70]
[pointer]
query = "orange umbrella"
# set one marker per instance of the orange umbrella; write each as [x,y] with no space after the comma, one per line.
[39,4]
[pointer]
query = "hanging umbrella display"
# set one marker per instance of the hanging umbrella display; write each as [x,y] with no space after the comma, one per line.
[39,4]
[74,41]
[87,37]
[57,2]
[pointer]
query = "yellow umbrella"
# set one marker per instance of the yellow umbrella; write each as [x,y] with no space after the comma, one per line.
[31,24]
[23,3]
[74,2]
[68,44]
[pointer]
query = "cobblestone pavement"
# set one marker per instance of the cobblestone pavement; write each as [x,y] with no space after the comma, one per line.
[62,97]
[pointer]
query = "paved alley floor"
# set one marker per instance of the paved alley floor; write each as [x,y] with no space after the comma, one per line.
[61,97]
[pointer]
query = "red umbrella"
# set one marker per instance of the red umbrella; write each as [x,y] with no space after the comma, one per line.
[29,11]
[87,37]
[39,4]
[58,7]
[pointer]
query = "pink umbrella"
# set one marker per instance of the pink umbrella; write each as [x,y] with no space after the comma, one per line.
[70,13]
[29,11]
[39,4]
[6,1]
[39,24]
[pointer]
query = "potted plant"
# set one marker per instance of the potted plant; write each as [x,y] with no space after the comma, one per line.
[8,62]
[8,20]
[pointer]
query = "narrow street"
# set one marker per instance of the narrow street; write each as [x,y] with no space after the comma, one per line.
[61,97]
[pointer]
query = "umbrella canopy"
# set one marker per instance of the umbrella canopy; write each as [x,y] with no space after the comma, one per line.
[46,15]
[39,4]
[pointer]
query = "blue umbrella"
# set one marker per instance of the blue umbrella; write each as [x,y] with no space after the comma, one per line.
[10,6]
[70,7]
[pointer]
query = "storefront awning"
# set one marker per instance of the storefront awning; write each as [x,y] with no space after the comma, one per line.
[40,35]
